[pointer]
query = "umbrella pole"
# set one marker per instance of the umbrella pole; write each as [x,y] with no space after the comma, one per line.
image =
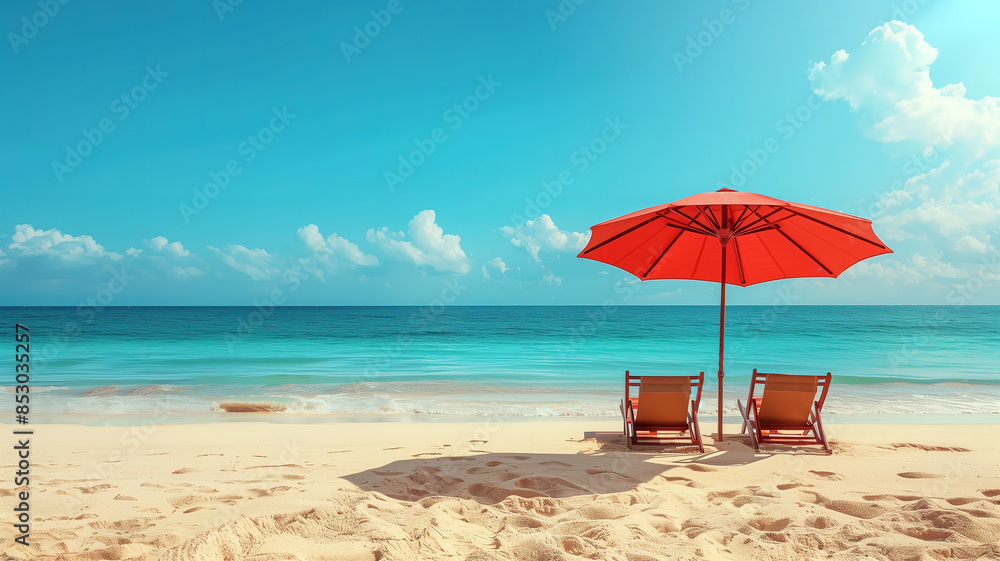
[722,333]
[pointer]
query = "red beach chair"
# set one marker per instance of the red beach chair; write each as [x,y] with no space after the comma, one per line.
[662,405]
[787,405]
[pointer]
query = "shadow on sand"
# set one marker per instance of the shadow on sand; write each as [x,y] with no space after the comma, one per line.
[608,467]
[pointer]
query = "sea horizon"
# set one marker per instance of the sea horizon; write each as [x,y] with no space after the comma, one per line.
[509,361]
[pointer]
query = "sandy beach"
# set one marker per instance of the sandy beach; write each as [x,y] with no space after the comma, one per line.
[501,489]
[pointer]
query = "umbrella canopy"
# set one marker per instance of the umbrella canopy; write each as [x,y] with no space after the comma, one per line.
[733,237]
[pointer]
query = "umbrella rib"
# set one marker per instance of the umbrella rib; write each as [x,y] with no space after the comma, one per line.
[841,230]
[620,234]
[736,223]
[711,218]
[777,228]
[803,250]
[759,219]
[707,230]
[739,262]
[689,229]
[664,252]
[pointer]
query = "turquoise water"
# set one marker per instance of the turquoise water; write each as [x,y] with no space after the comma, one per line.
[517,361]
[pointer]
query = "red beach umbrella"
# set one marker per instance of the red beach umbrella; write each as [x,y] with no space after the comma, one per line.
[733,237]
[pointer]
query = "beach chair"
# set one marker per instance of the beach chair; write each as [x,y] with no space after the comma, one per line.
[662,404]
[787,411]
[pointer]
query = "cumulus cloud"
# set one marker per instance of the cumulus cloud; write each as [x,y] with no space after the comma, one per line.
[188,272]
[887,80]
[427,246]
[255,263]
[162,245]
[551,280]
[334,250]
[65,248]
[542,233]
[942,219]
[133,252]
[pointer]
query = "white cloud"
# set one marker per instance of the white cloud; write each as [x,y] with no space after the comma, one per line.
[188,272]
[430,246]
[2,255]
[499,264]
[541,233]
[334,250]
[942,220]
[969,244]
[72,250]
[486,274]
[133,252]
[887,80]
[551,280]
[255,263]
[161,244]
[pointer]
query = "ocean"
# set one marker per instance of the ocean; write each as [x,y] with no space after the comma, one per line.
[347,363]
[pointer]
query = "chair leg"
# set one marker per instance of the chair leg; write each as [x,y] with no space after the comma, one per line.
[820,433]
[748,425]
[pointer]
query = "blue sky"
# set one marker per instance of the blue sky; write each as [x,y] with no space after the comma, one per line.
[202,153]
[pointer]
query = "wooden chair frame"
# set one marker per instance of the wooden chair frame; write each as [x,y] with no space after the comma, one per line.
[629,407]
[811,428]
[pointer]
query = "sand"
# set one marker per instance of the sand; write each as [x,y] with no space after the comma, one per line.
[535,490]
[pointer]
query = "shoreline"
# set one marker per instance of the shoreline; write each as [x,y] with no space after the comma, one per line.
[291,418]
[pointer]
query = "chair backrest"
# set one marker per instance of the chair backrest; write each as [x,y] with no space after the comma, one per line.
[664,400]
[787,399]
[633,381]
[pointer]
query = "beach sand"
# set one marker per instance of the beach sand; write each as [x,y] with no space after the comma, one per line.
[531,490]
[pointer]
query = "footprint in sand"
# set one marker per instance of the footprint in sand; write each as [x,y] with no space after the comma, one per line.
[492,464]
[856,509]
[293,477]
[201,455]
[153,485]
[124,498]
[426,454]
[520,458]
[919,475]
[826,475]
[480,451]
[477,441]
[928,448]
[395,448]
[607,472]
[556,463]
[195,509]
[765,524]
[182,471]
[699,467]
[990,492]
